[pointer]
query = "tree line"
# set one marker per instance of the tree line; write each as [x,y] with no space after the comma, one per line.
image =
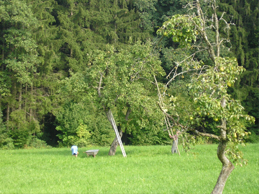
[56,88]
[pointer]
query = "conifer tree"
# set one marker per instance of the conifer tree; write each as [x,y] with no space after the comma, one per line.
[244,37]
[18,67]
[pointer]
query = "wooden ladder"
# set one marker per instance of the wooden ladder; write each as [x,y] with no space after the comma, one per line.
[111,119]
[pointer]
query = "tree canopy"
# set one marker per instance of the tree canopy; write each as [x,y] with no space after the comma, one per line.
[45,44]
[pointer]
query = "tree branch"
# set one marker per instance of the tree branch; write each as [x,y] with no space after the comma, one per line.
[178,75]
[166,114]
[203,33]
[206,134]
[100,84]
[127,114]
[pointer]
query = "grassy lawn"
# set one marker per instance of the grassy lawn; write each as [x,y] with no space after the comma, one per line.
[147,169]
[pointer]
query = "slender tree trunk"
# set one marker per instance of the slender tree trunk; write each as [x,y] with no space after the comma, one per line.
[25,101]
[20,97]
[15,97]
[217,29]
[13,103]
[20,102]
[3,49]
[227,168]
[174,146]
[31,102]
[7,115]
[175,143]
[203,32]
[115,30]
[2,69]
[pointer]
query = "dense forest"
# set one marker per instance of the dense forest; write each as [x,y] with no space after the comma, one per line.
[47,45]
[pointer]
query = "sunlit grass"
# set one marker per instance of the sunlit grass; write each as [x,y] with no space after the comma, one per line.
[147,169]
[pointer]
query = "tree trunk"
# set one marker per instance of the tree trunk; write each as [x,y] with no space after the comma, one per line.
[7,115]
[115,26]
[174,146]
[20,97]
[3,49]
[114,126]
[175,143]
[25,101]
[227,168]
[31,104]
[115,143]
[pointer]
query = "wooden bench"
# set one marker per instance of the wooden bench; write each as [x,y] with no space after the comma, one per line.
[92,152]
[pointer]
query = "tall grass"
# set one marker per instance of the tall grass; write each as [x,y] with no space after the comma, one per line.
[147,169]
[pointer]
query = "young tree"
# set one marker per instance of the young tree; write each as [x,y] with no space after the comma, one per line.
[208,87]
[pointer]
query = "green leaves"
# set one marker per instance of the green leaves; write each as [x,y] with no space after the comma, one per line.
[118,80]
[18,26]
[213,101]
[182,29]
[118,77]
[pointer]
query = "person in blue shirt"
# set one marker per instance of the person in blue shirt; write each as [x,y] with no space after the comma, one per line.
[74,150]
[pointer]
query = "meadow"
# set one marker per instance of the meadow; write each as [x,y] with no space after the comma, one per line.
[147,169]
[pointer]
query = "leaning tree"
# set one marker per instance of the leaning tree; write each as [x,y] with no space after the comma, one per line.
[214,70]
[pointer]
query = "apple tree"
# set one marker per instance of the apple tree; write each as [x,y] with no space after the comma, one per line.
[208,85]
[120,82]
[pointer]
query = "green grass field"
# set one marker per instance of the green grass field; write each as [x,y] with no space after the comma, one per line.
[147,169]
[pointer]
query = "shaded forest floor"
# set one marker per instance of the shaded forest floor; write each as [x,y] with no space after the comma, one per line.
[147,169]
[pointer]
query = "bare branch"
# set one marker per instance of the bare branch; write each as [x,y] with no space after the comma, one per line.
[165,113]
[203,33]
[127,114]
[147,80]
[178,75]
[221,127]
[206,134]
[178,63]
[100,84]
[216,21]
[158,91]
[212,93]
[116,98]
[203,68]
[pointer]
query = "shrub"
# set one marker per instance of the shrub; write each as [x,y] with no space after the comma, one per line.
[8,144]
[38,143]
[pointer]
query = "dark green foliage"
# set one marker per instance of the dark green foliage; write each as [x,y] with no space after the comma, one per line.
[44,41]
[146,136]
[245,46]
[48,132]
[18,67]
[5,141]
[18,47]
[19,137]
[73,115]
[38,143]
